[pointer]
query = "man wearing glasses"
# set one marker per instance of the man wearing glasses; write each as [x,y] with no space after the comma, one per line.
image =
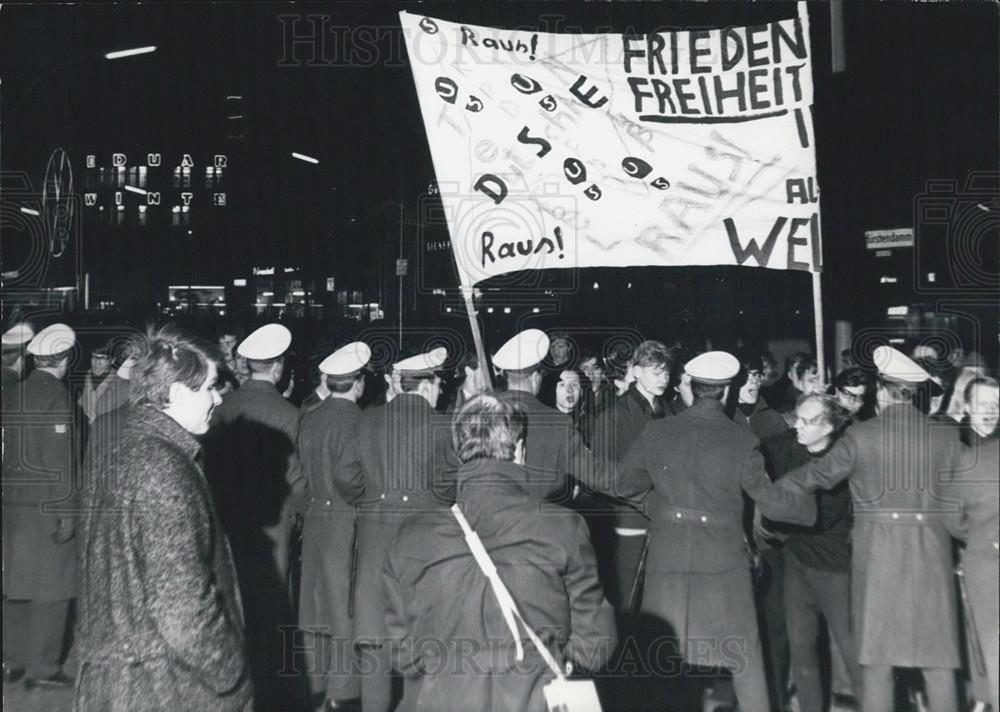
[850,388]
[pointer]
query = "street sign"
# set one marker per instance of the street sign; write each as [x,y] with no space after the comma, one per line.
[402,267]
[885,239]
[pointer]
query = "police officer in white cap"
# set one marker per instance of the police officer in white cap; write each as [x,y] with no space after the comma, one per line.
[903,595]
[252,463]
[328,532]
[39,555]
[554,452]
[14,341]
[697,466]
[401,462]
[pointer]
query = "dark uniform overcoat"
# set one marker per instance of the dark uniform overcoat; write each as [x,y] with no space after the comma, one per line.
[398,465]
[39,468]
[161,624]
[976,484]
[328,529]
[902,587]
[696,467]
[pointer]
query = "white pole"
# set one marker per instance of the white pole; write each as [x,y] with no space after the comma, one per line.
[818,315]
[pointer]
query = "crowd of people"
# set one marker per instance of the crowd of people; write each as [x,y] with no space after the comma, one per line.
[685,530]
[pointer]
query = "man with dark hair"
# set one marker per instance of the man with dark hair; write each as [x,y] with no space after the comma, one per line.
[816,559]
[328,532]
[100,369]
[40,464]
[400,462]
[801,376]
[696,468]
[619,368]
[751,408]
[850,388]
[903,596]
[257,479]
[616,430]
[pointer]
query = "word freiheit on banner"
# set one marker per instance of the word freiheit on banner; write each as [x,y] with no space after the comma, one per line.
[732,74]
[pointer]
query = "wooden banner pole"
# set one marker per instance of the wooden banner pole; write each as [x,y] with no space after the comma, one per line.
[818,316]
[477,337]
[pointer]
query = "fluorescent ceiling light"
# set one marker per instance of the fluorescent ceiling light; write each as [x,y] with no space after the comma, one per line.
[130,52]
[29,211]
[133,189]
[303,157]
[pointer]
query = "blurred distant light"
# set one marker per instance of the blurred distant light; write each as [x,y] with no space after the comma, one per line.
[304,157]
[628,286]
[982,207]
[898,311]
[931,276]
[535,310]
[489,310]
[133,189]
[30,211]
[448,309]
[506,310]
[596,285]
[119,54]
[239,282]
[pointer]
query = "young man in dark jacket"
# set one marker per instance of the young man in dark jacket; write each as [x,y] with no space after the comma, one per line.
[437,593]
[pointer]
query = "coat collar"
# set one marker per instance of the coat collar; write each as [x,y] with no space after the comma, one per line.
[409,401]
[255,384]
[528,400]
[496,476]
[640,401]
[707,408]
[149,420]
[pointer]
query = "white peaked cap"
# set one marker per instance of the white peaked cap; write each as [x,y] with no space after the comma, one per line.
[267,342]
[18,335]
[427,362]
[525,350]
[713,367]
[896,366]
[347,359]
[52,340]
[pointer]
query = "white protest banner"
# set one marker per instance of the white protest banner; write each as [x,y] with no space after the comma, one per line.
[570,150]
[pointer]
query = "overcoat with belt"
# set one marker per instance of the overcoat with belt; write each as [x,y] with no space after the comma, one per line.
[976,484]
[400,463]
[39,463]
[902,587]
[328,529]
[696,467]
[161,623]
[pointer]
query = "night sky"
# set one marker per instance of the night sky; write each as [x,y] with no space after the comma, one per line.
[919,101]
